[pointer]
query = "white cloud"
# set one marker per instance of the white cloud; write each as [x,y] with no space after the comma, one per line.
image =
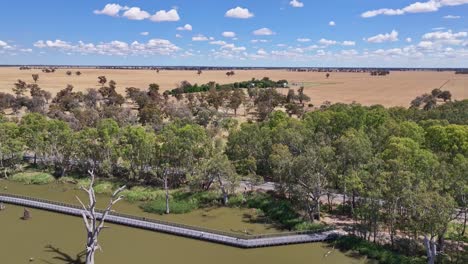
[409,40]
[262,52]
[425,44]
[446,37]
[111,10]
[218,42]
[296,3]
[178,35]
[259,41]
[113,48]
[239,12]
[199,38]
[264,32]
[166,16]
[387,37]
[3,44]
[186,27]
[303,39]
[349,43]
[417,7]
[144,33]
[327,42]
[229,34]
[135,13]
[452,17]
[332,23]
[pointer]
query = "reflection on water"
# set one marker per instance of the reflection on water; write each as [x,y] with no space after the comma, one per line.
[59,239]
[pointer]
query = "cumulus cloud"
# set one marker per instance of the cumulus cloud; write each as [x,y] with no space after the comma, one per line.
[110,10]
[446,37]
[327,42]
[239,12]
[332,23]
[186,27]
[113,48]
[262,52]
[218,42]
[303,39]
[144,33]
[3,44]
[264,32]
[409,40]
[296,3]
[135,13]
[417,7]
[229,34]
[387,37]
[165,16]
[199,38]
[349,43]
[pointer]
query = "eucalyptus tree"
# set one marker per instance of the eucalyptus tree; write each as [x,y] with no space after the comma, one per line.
[311,173]
[94,221]
[180,147]
[137,150]
[218,171]
[354,150]
[11,146]
[34,130]
[35,77]
[59,146]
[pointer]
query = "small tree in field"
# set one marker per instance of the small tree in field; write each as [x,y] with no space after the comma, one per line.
[102,80]
[35,77]
[327,75]
[78,73]
[69,73]
[90,218]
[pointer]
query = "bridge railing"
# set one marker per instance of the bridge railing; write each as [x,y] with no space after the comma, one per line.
[172,224]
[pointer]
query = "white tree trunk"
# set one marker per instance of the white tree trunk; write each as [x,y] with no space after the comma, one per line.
[431,250]
[223,189]
[94,225]
[166,188]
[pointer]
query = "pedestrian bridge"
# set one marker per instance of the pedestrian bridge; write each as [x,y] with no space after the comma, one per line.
[215,236]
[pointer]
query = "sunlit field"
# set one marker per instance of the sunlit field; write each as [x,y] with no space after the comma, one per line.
[396,89]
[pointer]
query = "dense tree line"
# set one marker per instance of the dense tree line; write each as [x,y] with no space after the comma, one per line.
[186,87]
[396,176]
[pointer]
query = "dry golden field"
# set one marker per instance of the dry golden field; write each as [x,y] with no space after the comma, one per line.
[397,89]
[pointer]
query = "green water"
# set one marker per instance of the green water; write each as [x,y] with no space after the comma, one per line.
[51,238]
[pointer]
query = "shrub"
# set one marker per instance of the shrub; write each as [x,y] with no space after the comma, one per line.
[33,178]
[380,253]
[142,194]
[100,187]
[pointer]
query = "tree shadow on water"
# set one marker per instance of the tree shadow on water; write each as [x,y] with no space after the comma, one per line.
[65,258]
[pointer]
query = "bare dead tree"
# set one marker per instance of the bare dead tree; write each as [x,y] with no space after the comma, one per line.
[94,221]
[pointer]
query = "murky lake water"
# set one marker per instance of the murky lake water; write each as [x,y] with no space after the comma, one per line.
[52,238]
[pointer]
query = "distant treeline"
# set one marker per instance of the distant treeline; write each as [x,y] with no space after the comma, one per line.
[217,68]
[186,87]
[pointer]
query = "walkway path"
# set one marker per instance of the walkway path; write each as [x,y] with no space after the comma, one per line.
[220,237]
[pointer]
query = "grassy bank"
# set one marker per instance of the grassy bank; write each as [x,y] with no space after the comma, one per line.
[266,208]
[33,178]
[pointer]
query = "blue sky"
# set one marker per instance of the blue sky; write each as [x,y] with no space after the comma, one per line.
[397,33]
